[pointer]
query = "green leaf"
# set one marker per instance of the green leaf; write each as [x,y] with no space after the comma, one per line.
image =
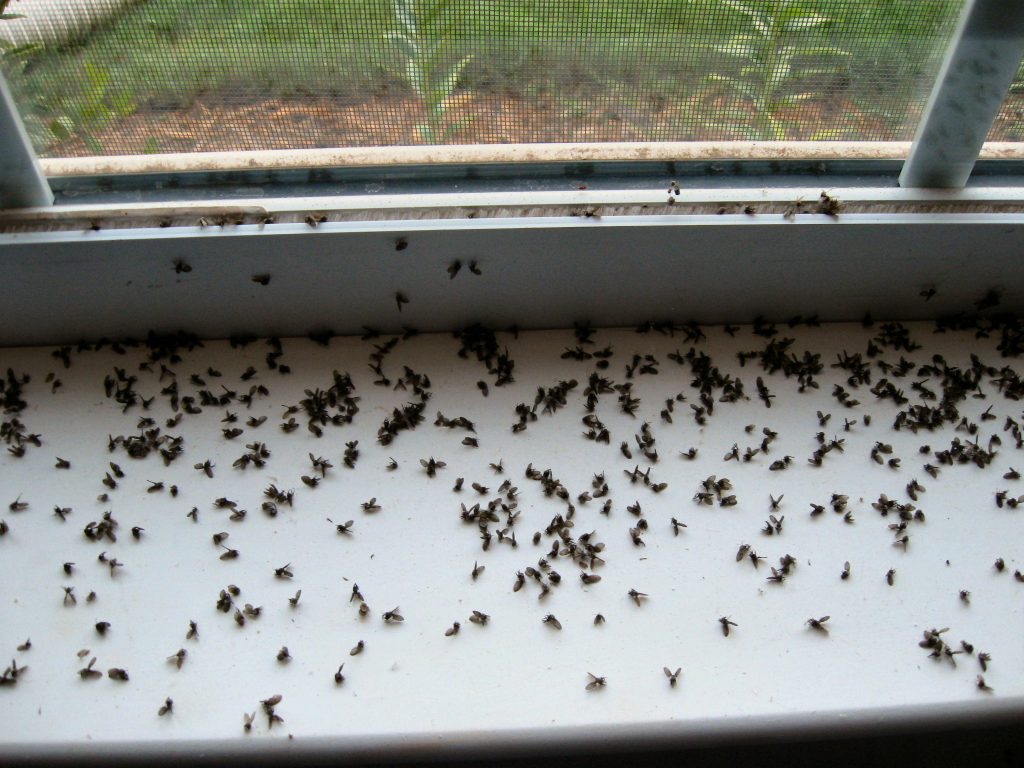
[805,22]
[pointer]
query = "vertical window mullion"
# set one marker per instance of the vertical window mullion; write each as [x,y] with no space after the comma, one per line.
[22,184]
[978,69]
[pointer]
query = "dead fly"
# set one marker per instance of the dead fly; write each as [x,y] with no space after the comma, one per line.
[343,528]
[371,506]
[62,512]
[474,268]
[357,648]
[262,279]
[312,482]
[68,568]
[392,465]
[983,660]
[102,627]
[294,601]
[477,570]
[479,617]
[18,505]
[88,673]
[452,630]
[167,708]
[432,465]
[154,486]
[595,681]
[193,631]
[965,596]
[181,266]
[673,677]
[338,677]
[598,619]
[458,484]
[773,525]
[69,596]
[552,622]
[247,719]
[62,463]
[471,442]
[283,655]
[137,532]
[320,464]
[116,673]
[742,552]
[481,489]
[268,710]
[775,502]
[284,572]
[392,616]
[846,571]
[637,596]
[726,622]
[453,269]
[890,576]
[178,658]
[818,624]
[25,646]
[229,554]
[252,612]
[983,686]
[219,537]
[999,564]
[400,299]
[676,525]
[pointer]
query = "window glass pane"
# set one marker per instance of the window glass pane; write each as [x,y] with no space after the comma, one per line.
[121,77]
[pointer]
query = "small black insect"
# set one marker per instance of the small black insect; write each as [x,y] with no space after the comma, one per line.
[284,572]
[726,622]
[479,617]
[552,622]
[673,677]
[178,658]
[890,576]
[167,707]
[818,624]
[392,616]
[261,279]
[357,648]
[193,631]
[338,677]
[87,672]
[400,299]
[595,682]
[637,597]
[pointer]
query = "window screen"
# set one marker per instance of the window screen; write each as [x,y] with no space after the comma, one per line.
[1009,123]
[119,77]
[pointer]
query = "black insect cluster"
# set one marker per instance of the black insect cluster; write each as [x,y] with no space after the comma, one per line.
[531,533]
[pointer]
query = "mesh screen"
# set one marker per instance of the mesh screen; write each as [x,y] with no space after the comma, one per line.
[1009,122]
[185,76]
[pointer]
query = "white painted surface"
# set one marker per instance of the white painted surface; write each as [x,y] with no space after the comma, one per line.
[55,21]
[515,681]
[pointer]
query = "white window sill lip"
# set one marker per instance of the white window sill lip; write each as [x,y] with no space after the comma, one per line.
[484,154]
[536,203]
